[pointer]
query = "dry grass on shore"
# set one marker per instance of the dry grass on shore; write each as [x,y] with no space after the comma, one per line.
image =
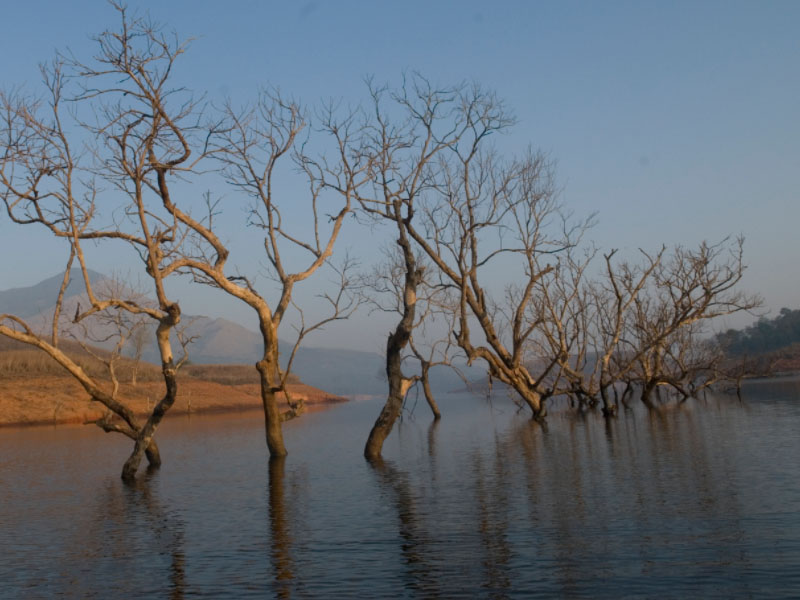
[227,374]
[18,360]
[35,390]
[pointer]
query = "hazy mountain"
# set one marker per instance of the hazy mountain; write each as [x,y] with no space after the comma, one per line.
[29,301]
[219,341]
[340,371]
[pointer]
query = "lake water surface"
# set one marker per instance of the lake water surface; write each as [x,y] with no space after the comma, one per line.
[696,500]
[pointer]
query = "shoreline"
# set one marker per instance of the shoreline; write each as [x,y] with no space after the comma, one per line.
[175,413]
[48,401]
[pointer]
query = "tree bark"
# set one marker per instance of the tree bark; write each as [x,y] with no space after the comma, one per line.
[398,386]
[526,391]
[267,369]
[144,439]
[609,406]
[145,435]
[397,341]
[426,388]
[647,392]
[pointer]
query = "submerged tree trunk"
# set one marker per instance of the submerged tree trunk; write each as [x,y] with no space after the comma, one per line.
[130,428]
[606,381]
[144,437]
[151,452]
[609,405]
[647,391]
[398,385]
[426,388]
[270,379]
[527,392]
[533,400]
[267,370]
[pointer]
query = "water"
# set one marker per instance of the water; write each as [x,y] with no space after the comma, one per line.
[697,500]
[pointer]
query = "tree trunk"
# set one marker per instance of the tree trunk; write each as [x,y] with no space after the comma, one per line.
[534,401]
[153,455]
[131,432]
[647,392]
[426,388]
[526,391]
[398,385]
[267,369]
[144,439]
[609,406]
[398,339]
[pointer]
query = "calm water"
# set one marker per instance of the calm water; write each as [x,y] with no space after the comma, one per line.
[701,500]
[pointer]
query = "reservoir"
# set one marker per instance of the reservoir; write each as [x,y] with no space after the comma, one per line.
[700,499]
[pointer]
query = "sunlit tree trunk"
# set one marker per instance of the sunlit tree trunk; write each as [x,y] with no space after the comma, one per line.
[145,435]
[398,340]
[426,388]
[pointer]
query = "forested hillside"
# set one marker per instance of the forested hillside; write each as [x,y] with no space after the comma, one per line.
[765,335]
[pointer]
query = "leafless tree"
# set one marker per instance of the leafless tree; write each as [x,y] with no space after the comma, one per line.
[688,288]
[399,159]
[612,296]
[640,324]
[476,215]
[438,353]
[152,143]
[251,144]
[398,286]
[561,311]
[100,174]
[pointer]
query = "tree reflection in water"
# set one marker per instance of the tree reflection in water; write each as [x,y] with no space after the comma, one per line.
[689,500]
[281,547]
[128,521]
[421,570]
[621,501]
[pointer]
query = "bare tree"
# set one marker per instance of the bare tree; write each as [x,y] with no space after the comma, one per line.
[438,353]
[546,329]
[561,311]
[612,297]
[476,215]
[638,324]
[151,142]
[398,286]
[115,169]
[688,289]
[251,144]
[397,158]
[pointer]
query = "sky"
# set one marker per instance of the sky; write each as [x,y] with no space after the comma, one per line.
[675,122]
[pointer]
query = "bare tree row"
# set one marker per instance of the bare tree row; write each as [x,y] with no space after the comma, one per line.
[486,239]
[486,264]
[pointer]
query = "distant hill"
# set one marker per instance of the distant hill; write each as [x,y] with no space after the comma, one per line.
[29,301]
[220,341]
[765,335]
[766,347]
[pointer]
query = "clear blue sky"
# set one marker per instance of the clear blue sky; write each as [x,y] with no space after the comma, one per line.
[675,121]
